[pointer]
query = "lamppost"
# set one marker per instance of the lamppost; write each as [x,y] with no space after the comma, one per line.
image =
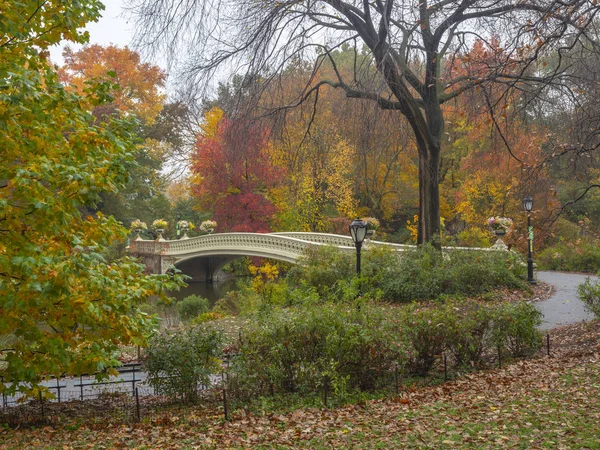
[528,206]
[358,230]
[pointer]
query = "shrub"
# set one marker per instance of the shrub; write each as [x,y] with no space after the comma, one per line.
[425,330]
[580,256]
[294,349]
[515,328]
[459,327]
[192,306]
[427,273]
[468,330]
[332,273]
[179,361]
[589,293]
[240,302]
[206,317]
[324,268]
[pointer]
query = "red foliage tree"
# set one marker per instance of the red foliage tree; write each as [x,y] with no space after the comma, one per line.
[234,173]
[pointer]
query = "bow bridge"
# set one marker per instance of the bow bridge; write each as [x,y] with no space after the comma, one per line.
[203,256]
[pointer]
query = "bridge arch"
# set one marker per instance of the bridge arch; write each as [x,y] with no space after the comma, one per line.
[207,254]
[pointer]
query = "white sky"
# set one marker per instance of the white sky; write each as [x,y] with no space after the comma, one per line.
[112,28]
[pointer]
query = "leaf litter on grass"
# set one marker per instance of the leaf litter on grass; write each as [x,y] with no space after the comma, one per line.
[545,402]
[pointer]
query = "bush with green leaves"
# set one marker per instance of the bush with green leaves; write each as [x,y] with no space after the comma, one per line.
[192,306]
[515,328]
[178,362]
[580,256]
[332,273]
[425,330]
[589,293]
[295,349]
[466,330]
[324,268]
[427,273]
[241,302]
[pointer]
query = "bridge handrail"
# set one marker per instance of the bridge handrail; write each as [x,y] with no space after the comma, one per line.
[294,241]
[235,240]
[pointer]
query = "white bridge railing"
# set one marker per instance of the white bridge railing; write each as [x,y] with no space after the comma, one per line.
[287,246]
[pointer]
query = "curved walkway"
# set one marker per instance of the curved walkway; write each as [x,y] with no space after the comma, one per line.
[564,306]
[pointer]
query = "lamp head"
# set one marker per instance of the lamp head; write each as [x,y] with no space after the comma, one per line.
[528,203]
[358,230]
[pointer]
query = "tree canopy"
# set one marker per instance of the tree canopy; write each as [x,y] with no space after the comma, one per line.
[64,306]
[412,52]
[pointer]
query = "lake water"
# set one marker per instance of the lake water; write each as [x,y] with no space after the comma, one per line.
[212,291]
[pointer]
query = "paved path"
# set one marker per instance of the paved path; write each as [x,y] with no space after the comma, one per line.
[564,306]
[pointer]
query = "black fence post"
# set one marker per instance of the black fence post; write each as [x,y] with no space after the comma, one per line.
[224,379]
[133,380]
[58,387]
[42,405]
[137,405]
[499,357]
[445,368]
[325,389]
[81,386]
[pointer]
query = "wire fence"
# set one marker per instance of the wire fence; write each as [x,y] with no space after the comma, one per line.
[132,397]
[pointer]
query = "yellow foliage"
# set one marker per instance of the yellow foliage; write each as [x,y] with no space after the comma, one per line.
[212,118]
[262,275]
[413,227]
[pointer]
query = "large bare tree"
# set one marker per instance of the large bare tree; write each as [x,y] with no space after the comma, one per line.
[416,47]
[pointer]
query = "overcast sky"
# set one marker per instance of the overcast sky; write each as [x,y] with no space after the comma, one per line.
[110,29]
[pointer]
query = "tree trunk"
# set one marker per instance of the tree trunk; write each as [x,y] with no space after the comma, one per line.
[429,195]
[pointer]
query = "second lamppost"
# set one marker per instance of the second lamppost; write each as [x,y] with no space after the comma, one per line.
[358,230]
[528,206]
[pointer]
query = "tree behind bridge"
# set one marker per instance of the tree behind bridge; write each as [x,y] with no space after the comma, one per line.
[413,44]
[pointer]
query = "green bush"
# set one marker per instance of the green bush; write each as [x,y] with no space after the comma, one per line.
[241,302]
[324,268]
[589,293]
[466,330]
[515,328]
[297,348]
[579,256]
[331,274]
[178,362]
[462,328]
[427,273]
[425,330]
[192,306]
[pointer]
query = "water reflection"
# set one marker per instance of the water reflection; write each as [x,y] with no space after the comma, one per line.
[212,291]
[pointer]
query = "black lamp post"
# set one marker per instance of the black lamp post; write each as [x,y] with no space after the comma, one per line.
[358,230]
[528,206]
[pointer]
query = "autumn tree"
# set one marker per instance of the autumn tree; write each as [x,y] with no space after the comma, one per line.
[137,84]
[63,308]
[137,91]
[234,172]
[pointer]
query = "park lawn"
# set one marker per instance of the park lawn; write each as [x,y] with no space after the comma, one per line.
[546,402]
